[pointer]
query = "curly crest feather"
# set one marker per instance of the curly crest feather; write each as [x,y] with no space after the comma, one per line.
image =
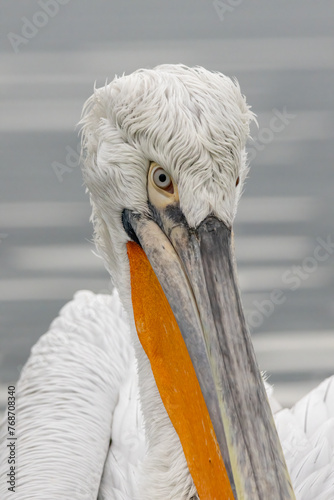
[192,122]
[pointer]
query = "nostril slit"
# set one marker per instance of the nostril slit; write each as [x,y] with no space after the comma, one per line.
[128,227]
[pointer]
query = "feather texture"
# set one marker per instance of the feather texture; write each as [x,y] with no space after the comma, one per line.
[307,436]
[78,391]
[80,428]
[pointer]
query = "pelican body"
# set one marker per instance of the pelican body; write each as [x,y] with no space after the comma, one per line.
[180,410]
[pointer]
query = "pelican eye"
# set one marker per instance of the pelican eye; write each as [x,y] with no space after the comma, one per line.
[162,179]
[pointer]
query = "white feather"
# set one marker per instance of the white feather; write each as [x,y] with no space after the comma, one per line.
[307,436]
[69,398]
[80,428]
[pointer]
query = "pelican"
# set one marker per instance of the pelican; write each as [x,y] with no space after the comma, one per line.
[154,392]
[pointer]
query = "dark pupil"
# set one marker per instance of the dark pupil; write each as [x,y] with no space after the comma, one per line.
[162,177]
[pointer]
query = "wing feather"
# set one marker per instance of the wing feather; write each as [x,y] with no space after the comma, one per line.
[307,436]
[74,396]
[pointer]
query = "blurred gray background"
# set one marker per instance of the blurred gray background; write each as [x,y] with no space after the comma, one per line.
[52,52]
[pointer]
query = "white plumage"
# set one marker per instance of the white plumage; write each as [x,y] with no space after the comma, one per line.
[90,420]
[69,397]
[83,371]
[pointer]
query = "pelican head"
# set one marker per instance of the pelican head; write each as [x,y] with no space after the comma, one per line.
[165,163]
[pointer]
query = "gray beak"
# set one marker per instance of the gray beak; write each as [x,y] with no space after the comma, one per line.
[196,270]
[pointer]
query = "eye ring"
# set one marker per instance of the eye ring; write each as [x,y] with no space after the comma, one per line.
[162,179]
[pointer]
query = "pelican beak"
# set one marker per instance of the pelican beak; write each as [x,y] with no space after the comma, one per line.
[196,271]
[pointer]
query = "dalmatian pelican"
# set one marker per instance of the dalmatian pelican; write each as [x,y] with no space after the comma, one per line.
[154,392]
